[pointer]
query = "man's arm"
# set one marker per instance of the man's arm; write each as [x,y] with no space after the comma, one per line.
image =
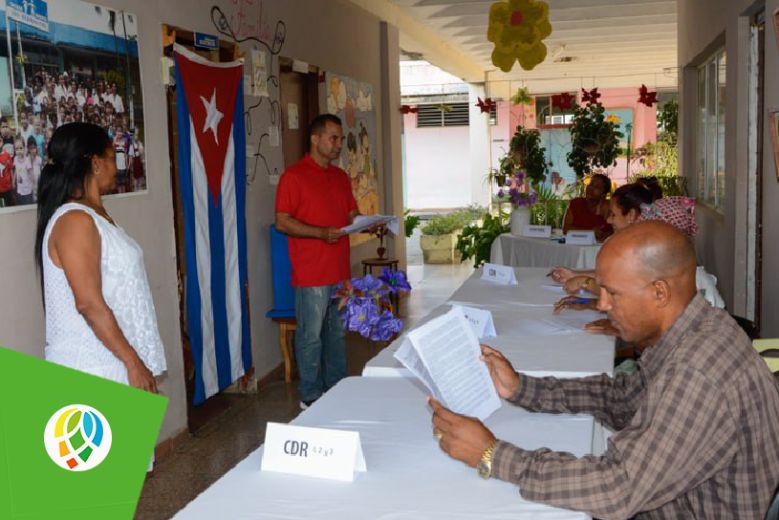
[612,401]
[689,438]
[293,227]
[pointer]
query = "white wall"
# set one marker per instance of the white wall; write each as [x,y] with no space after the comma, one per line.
[333,35]
[704,26]
[437,169]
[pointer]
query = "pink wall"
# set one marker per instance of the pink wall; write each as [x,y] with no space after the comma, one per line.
[644,122]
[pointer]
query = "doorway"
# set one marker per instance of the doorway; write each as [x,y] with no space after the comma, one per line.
[299,105]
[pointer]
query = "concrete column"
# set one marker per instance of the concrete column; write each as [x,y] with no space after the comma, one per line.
[391,159]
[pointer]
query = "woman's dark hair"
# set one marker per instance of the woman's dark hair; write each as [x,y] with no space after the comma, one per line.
[631,196]
[64,176]
[653,185]
[605,182]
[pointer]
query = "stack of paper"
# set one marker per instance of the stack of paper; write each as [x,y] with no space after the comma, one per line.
[363,222]
[444,354]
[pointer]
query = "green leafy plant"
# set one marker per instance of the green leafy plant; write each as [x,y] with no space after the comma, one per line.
[594,139]
[476,241]
[661,160]
[410,223]
[450,222]
[550,208]
[527,154]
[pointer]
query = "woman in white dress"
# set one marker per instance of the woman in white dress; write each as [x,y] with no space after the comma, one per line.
[100,316]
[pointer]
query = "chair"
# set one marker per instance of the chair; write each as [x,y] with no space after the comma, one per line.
[283,311]
[773,509]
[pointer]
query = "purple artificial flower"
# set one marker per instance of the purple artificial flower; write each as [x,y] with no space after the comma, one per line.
[395,280]
[500,194]
[361,315]
[386,327]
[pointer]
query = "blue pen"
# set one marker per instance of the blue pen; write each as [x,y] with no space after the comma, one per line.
[580,301]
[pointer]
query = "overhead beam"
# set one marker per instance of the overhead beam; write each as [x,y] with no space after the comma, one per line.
[415,36]
[559,13]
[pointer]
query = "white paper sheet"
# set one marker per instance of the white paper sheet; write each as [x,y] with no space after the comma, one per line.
[363,222]
[450,352]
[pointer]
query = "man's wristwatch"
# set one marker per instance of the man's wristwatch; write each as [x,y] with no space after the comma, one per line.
[484,467]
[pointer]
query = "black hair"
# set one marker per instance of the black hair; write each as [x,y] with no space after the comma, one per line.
[653,185]
[604,179]
[32,142]
[64,177]
[631,196]
[320,122]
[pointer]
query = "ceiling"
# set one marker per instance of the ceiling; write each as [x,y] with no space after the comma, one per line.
[607,43]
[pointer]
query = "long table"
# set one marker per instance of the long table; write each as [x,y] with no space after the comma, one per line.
[408,476]
[532,338]
[521,251]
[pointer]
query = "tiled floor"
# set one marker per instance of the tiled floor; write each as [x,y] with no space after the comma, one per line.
[228,438]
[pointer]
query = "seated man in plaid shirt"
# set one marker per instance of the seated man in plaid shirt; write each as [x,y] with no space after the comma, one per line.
[697,426]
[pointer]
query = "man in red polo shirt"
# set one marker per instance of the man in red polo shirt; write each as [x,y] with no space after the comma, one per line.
[313,202]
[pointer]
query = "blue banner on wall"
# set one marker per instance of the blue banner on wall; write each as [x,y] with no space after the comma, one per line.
[34,13]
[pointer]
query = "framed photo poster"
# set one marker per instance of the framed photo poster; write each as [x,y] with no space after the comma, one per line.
[67,61]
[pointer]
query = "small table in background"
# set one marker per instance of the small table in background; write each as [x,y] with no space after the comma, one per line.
[367,267]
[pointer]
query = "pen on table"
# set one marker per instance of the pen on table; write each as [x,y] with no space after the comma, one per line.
[581,301]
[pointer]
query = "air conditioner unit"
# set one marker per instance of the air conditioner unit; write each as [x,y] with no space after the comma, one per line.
[558,120]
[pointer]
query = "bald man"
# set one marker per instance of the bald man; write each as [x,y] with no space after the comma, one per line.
[697,426]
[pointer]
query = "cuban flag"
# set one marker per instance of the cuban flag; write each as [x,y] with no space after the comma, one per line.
[212,178]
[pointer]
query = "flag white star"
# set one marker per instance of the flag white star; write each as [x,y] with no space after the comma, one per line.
[213,115]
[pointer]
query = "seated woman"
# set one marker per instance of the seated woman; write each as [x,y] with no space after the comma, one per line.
[676,211]
[590,212]
[624,209]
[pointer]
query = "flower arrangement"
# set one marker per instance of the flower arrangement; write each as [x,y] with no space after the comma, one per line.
[365,304]
[517,192]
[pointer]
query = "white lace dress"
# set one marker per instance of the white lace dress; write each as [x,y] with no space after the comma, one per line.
[69,339]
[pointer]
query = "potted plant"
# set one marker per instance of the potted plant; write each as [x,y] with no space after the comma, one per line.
[527,154]
[594,139]
[439,237]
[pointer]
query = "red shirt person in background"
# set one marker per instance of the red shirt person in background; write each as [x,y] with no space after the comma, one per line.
[590,212]
[313,202]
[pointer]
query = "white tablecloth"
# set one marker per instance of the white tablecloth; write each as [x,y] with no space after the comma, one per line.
[532,338]
[521,251]
[408,476]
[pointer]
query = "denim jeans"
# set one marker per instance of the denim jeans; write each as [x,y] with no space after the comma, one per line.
[320,350]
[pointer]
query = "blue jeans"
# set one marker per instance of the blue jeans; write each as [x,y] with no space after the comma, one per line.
[320,350]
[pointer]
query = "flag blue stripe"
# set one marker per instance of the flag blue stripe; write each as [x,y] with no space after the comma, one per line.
[194,326]
[218,292]
[240,197]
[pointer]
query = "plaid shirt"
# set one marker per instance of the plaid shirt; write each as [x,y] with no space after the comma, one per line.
[697,430]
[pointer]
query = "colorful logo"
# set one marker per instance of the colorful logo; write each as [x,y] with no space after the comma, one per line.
[77,437]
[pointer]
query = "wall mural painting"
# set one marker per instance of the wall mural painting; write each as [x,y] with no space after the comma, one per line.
[68,61]
[352,101]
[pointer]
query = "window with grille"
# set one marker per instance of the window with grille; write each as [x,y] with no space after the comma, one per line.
[432,115]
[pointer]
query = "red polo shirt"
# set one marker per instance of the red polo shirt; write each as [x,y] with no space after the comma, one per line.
[319,197]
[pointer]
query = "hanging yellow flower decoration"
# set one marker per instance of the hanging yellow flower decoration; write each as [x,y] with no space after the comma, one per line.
[517,28]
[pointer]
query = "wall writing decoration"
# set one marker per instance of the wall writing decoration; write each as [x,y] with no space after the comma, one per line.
[239,35]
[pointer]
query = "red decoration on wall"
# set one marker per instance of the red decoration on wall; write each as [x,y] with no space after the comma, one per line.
[408,109]
[486,105]
[562,101]
[646,97]
[590,97]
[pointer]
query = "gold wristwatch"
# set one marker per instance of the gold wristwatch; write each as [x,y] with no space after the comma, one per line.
[484,467]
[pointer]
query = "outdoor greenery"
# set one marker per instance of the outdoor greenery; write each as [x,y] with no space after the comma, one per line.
[594,139]
[527,154]
[475,241]
[661,159]
[668,122]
